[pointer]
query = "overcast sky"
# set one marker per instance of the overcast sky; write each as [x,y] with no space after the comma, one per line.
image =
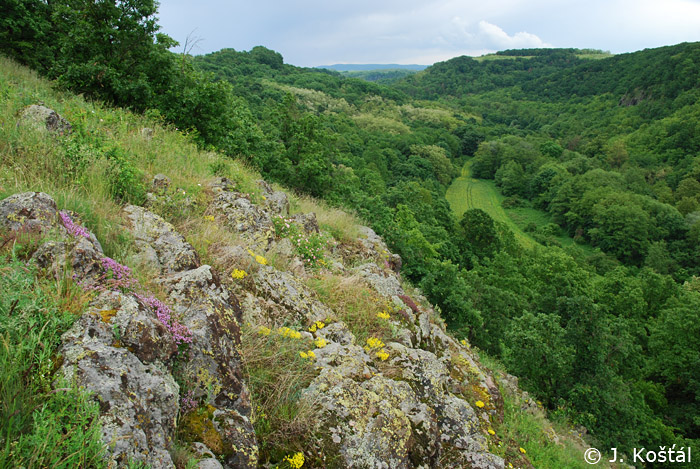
[313,32]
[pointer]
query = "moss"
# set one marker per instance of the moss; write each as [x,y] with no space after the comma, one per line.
[107,315]
[198,426]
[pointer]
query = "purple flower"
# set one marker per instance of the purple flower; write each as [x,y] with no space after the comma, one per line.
[181,334]
[73,228]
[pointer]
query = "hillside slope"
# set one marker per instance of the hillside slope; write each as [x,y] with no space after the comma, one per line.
[221,320]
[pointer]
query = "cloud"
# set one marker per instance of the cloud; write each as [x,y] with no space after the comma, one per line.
[314,32]
[494,37]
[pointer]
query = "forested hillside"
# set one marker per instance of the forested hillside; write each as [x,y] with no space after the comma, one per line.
[604,327]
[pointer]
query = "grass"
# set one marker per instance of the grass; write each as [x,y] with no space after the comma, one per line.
[276,375]
[466,193]
[547,444]
[355,304]
[44,422]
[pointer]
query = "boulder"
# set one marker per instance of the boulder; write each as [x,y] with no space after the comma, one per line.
[43,118]
[158,243]
[245,218]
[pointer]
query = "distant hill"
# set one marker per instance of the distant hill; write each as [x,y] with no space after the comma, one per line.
[372,67]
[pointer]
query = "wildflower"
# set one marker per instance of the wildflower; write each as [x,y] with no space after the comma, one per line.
[522,450]
[491,432]
[239,273]
[181,334]
[311,354]
[296,461]
[259,259]
[479,404]
[316,326]
[373,342]
[264,330]
[188,402]
[382,355]
[303,355]
[463,342]
[209,217]
[383,315]
[73,228]
[287,332]
[320,342]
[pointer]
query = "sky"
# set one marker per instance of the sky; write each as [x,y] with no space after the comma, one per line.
[312,32]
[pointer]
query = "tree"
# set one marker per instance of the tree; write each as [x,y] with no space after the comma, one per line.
[110,49]
[480,232]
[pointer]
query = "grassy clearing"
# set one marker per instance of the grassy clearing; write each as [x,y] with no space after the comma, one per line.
[41,425]
[466,193]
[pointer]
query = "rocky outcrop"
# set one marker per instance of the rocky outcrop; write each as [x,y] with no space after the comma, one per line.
[213,315]
[413,398]
[242,216]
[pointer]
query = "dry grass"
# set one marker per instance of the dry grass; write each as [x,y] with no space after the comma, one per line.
[342,225]
[354,303]
[276,375]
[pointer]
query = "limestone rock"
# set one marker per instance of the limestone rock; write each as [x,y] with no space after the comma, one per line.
[160,183]
[29,211]
[243,217]
[307,221]
[276,202]
[384,283]
[221,184]
[294,301]
[138,401]
[213,316]
[43,118]
[156,238]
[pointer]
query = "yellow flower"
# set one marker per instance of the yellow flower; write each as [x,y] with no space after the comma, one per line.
[479,404]
[373,342]
[320,324]
[320,342]
[209,217]
[259,259]
[382,355]
[463,342]
[296,461]
[264,330]
[312,328]
[303,355]
[239,273]
[522,450]
[287,332]
[311,354]
[491,432]
[383,315]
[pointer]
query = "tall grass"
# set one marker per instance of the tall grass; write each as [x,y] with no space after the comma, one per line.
[42,423]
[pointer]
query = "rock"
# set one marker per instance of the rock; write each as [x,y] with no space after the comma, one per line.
[213,316]
[28,211]
[209,463]
[157,239]
[276,201]
[376,248]
[146,133]
[221,184]
[307,221]
[243,217]
[160,183]
[291,300]
[384,283]
[43,118]
[138,402]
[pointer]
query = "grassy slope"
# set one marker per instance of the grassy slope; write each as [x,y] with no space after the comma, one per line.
[32,161]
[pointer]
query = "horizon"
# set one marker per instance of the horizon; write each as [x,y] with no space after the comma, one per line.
[313,33]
